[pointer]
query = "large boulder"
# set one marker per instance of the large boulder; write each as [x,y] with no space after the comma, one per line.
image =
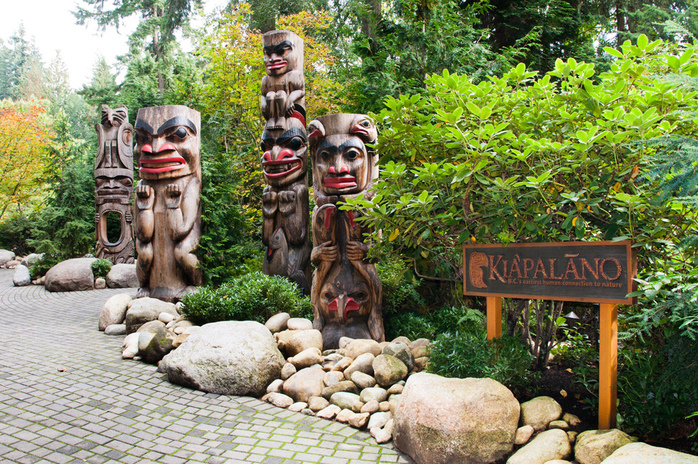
[442,420]
[145,310]
[547,446]
[634,453]
[154,345]
[593,446]
[5,256]
[21,277]
[71,275]
[114,310]
[305,384]
[228,358]
[122,276]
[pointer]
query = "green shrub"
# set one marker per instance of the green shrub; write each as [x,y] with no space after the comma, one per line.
[101,267]
[410,325]
[254,297]
[14,233]
[47,261]
[399,287]
[468,354]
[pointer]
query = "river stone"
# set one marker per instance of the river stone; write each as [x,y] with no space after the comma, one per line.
[293,342]
[523,434]
[441,420]
[344,415]
[278,399]
[275,386]
[157,347]
[363,380]
[299,323]
[129,348]
[634,453]
[361,346]
[307,358]
[21,277]
[5,256]
[305,383]
[385,434]
[370,407]
[540,411]
[317,403]
[333,377]
[373,393]
[122,276]
[344,400]
[114,310]
[546,446]
[402,352]
[277,322]
[388,370]
[364,363]
[345,386]
[71,275]
[378,419]
[593,446]
[228,358]
[288,370]
[145,310]
[100,283]
[571,419]
[115,329]
[330,412]
[359,420]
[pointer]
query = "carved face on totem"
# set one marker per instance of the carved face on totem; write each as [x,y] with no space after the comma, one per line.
[342,164]
[345,297]
[167,142]
[285,158]
[283,52]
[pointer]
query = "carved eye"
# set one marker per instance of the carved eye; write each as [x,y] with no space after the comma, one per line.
[365,124]
[351,155]
[325,155]
[359,296]
[295,143]
[181,133]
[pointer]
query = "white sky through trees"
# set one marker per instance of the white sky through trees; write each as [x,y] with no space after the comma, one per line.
[53,27]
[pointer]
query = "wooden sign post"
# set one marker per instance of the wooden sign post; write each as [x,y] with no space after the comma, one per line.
[597,272]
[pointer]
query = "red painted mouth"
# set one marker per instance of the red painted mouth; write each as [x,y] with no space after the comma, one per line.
[277,64]
[157,165]
[281,168]
[339,182]
[358,130]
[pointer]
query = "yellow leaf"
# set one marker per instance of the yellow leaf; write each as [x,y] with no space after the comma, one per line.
[394,234]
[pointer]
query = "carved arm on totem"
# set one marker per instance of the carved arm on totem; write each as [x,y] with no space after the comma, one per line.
[270,204]
[182,208]
[293,205]
[145,199]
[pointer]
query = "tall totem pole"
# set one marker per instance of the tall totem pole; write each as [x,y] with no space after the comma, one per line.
[346,291]
[114,185]
[285,160]
[168,203]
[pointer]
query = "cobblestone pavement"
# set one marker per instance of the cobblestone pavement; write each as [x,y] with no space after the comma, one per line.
[66,396]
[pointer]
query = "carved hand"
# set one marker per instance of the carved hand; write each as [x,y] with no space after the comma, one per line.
[145,197]
[128,216]
[96,218]
[326,252]
[269,203]
[356,251]
[173,196]
[287,202]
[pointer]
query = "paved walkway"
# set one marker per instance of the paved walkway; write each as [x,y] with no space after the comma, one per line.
[66,396]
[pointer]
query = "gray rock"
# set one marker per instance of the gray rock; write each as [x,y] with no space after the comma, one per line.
[145,310]
[441,420]
[305,384]
[130,346]
[593,446]
[388,370]
[299,323]
[293,342]
[402,352]
[345,386]
[278,399]
[363,380]
[358,347]
[373,393]
[152,326]
[546,446]
[122,276]
[229,358]
[32,258]
[306,358]
[540,411]
[71,275]
[277,322]
[363,363]
[115,329]
[288,370]
[275,386]
[317,403]
[634,453]
[523,434]
[21,277]
[158,345]
[100,283]
[330,412]
[344,400]
[378,419]
[5,256]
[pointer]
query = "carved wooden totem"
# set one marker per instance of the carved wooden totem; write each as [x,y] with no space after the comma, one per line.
[285,228]
[114,185]
[168,204]
[346,291]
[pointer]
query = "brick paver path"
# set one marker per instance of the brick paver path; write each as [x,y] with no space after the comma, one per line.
[66,396]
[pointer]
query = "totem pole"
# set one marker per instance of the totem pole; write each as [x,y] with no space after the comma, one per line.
[285,207]
[346,291]
[114,184]
[168,204]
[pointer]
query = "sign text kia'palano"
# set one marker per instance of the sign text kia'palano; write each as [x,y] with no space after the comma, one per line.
[595,272]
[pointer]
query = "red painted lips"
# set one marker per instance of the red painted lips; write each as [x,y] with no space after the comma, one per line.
[339,182]
[161,164]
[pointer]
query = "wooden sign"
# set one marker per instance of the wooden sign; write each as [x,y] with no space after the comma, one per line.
[600,272]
